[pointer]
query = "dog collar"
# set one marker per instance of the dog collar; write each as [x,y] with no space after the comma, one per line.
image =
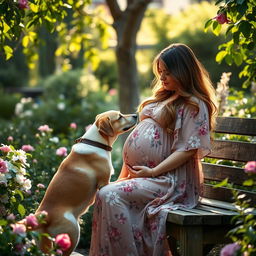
[93,143]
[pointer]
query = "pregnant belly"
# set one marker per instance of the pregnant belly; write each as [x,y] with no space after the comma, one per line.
[147,145]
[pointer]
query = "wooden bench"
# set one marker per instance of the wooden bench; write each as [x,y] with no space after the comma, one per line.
[199,229]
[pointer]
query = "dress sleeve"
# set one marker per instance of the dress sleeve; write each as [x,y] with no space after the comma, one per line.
[192,130]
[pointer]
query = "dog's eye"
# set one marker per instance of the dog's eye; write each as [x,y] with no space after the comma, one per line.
[120,116]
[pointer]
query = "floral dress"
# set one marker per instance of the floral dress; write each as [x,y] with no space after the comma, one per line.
[130,216]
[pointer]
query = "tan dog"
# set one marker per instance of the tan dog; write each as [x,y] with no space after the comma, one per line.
[86,169]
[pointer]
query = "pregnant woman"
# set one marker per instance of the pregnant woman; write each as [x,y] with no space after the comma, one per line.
[161,160]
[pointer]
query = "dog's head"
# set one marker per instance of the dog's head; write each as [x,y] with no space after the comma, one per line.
[112,123]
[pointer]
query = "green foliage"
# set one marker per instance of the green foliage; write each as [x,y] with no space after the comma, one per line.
[177,28]
[71,21]
[239,47]
[21,239]
[107,73]
[7,104]
[73,96]
[244,232]
[14,181]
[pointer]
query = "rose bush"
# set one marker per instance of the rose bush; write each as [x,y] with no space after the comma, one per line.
[14,181]
[20,238]
[244,233]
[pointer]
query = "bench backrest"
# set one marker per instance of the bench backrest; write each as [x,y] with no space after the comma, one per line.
[226,149]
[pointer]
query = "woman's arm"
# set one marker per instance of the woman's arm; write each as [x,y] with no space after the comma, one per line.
[124,173]
[175,160]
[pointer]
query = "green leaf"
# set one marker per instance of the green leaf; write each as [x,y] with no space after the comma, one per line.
[3,222]
[248,182]
[238,58]
[228,59]
[8,52]
[229,28]
[25,41]
[207,24]
[236,37]
[18,192]
[6,28]
[222,184]
[220,56]
[245,28]
[21,210]
[216,28]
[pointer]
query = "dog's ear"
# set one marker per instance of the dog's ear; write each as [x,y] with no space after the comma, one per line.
[104,126]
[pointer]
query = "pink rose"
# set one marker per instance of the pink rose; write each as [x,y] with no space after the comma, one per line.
[250,167]
[3,166]
[19,229]
[23,4]
[5,149]
[112,92]
[62,151]
[27,148]
[63,241]
[73,126]
[221,18]
[10,138]
[31,221]
[40,185]
[44,128]
[229,249]
[11,217]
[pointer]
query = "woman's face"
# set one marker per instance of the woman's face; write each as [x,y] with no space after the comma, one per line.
[168,81]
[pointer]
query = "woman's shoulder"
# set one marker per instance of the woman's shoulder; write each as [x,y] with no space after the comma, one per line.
[199,102]
[199,106]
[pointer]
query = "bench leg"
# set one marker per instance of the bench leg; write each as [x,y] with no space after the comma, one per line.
[173,246]
[191,241]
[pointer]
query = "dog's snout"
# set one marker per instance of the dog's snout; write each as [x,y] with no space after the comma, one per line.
[135,116]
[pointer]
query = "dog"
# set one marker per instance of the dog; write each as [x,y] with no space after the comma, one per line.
[86,169]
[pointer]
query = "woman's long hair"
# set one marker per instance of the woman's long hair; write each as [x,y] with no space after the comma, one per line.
[192,78]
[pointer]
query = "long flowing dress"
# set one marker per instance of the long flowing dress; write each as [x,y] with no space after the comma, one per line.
[129,216]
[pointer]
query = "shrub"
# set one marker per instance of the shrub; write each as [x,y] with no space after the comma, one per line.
[244,233]
[7,104]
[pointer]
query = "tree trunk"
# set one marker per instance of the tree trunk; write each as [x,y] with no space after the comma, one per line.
[127,24]
[127,79]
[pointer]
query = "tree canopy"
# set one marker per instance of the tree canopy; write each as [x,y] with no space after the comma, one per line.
[239,15]
[72,21]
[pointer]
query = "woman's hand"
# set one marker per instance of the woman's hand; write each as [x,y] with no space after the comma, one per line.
[140,171]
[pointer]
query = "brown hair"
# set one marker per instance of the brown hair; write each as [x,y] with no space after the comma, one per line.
[193,80]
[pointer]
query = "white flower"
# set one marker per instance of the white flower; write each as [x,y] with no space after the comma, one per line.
[21,156]
[194,141]
[19,179]
[112,198]
[26,100]
[54,139]
[22,171]
[27,184]
[18,109]
[3,179]
[61,106]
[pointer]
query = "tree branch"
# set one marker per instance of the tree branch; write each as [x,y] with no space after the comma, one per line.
[114,9]
[135,12]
